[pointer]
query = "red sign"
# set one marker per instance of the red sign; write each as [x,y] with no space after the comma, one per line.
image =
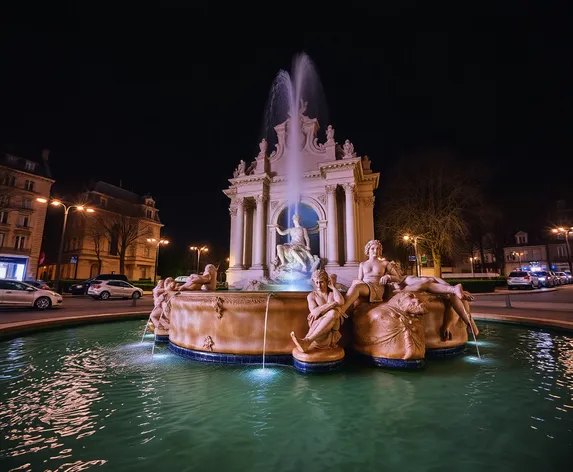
[42,258]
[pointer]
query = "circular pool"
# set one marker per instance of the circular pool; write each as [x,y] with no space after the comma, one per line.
[73,399]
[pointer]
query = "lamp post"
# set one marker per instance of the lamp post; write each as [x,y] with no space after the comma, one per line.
[472,259]
[566,232]
[415,243]
[199,251]
[157,244]
[67,209]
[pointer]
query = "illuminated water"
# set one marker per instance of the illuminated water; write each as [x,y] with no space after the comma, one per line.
[92,396]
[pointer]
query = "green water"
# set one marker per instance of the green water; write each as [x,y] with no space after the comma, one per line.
[93,397]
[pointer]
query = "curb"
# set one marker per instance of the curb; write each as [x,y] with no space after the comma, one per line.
[520,292]
[10,330]
[524,321]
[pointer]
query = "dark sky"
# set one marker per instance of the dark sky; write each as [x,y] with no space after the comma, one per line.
[169,100]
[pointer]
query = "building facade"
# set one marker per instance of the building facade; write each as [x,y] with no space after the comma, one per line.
[22,217]
[525,255]
[92,247]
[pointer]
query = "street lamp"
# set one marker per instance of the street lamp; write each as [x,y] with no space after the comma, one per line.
[472,259]
[407,237]
[199,251]
[566,232]
[157,244]
[67,208]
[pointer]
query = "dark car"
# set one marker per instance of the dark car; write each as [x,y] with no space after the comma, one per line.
[82,288]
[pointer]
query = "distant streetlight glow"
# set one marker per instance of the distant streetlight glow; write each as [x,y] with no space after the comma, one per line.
[566,232]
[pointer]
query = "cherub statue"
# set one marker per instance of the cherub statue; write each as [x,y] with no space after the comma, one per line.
[325,317]
[348,149]
[207,281]
[263,146]
[162,294]
[329,134]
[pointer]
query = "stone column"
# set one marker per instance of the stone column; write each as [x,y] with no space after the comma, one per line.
[332,228]
[260,233]
[350,190]
[238,233]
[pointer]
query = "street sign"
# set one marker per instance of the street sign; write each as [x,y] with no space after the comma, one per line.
[73,260]
[412,258]
[423,259]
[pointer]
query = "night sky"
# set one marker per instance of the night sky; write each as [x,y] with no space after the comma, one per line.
[168,101]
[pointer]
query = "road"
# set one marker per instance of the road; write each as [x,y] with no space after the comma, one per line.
[78,305]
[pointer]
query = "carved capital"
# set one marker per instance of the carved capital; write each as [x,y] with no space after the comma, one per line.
[350,188]
[260,199]
[274,204]
[239,201]
[368,201]
[233,211]
[331,189]
[322,199]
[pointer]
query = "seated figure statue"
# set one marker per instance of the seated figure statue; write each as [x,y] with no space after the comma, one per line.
[373,275]
[325,317]
[296,254]
[436,285]
[206,281]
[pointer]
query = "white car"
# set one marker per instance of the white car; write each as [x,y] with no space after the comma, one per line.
[14,293]
[105,289]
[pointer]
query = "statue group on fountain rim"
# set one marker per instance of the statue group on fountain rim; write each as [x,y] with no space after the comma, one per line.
[328,307]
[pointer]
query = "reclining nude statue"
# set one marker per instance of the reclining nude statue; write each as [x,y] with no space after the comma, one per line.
[296,254]
[325,317]
[206,281]
[375,274]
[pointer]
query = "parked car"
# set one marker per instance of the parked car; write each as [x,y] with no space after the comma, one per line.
[181,279]
[569,276]
[38,284]
[105,289]
[82,289]
[562,276]
[14,293]
[545,278]
[522,279]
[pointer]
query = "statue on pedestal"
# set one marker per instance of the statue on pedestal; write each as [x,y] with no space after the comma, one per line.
[296,255]
[263,146]
[325,317]
[329,135]
[348,149]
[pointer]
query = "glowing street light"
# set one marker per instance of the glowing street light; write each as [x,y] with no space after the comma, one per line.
[566,232]
[199,251]
[414,240]
[157,244]
[67,209]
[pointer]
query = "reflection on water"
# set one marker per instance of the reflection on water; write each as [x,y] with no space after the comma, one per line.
[92,396]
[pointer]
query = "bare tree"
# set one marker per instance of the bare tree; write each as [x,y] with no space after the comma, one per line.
[122,231]
[97,234]
[434,198]
[7,187]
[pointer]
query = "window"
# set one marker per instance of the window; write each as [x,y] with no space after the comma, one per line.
[4,217]
[29,185]
[149,214]
[12,181]
[561,251]
[23,221]
[2,238]
[4,200]
[30,166]
[27,203]
[146,252]
[521,239]
[19,242]
[103,202]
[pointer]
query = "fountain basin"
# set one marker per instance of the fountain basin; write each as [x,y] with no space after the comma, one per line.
[229,327]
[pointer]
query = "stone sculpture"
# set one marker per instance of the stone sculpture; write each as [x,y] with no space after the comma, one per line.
[373,275]
[263,146]
[391,330]
[329,134]
[325,317]
[240,170]
[295,255]
[348,149]
[206,282]
[162,294]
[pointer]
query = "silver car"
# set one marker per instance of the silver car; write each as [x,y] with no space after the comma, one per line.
[14,293]
[105,289]
[522,279]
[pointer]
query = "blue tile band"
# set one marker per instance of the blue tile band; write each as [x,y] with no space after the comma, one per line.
[161,338]
[316,367]
[445,351]
[236,359]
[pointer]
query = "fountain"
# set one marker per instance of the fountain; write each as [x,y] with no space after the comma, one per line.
[319,198]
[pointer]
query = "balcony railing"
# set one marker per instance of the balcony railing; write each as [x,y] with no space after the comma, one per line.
[13,250]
